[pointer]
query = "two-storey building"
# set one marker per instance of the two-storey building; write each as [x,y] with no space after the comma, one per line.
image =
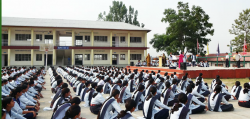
[93,42]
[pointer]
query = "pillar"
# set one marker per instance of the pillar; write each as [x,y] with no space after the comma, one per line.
[32,57]
[9,35]
[54,56]
[8,57]
[128,57]
[145,54]
[110,39]
[54,40]
[73,57]
[128,39]
[160,61]
[146,41]
[73,41]
[32,37]
[92,56]
[92,38]
[110,56]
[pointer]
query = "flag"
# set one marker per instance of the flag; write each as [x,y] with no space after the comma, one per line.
[245,46]
[218,50]
[207,50]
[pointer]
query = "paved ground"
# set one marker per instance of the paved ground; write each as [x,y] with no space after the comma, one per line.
[238,113]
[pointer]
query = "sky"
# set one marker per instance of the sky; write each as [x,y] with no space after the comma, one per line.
[222,14]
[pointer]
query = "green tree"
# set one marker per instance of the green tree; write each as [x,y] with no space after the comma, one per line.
[241,29]
[118,12]
[184,28]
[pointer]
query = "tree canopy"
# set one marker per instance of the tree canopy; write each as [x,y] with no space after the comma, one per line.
[120,13]
[241,29]
[185,26]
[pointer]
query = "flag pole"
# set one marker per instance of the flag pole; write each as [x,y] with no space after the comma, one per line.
[197,46]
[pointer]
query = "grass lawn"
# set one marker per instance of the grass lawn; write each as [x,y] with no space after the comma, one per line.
[228,82]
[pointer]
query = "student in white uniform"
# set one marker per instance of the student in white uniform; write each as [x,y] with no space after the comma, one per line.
[84,89]
[183,83]
[215,99]
[89,94]
[194,109]
[73,112]
[63,98]
[167,95]
[7,105]
[161,85]
[226,94]
[126,114]
[116,86]
[131,83]
[110,107]
[176,90]
[151,104]
[200,88]
[58,93]
[244,98]
[59,112]
[97,100]
[179,110]
[139,97]
[124,92]
[236,90]
[107,86]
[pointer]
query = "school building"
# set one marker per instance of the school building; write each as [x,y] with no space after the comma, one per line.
[92,42]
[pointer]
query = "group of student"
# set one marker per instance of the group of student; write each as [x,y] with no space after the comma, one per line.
[150,92]
[21,91]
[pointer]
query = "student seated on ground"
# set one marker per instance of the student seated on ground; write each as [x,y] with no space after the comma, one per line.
[236,90]
[7,105]
[124,92]
[167,96]
[58,93]
[206,64]
[126,114]
[244,98]
[107,86]
[179,110]
[65,96]
[200,88]
[215,99]
[196,108]
[139,97]
[59,112]
[224,91]
[88,96]
[97,100]
[138,63]
[110,107]
[73,112]
[151,104]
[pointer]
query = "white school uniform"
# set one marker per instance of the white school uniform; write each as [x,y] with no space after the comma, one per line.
[113,105]
[234,92]
[141,98]
[213,102]
[171,96]
[13,115]
[126,94]
[62,113]
[155,109]
[177,113]
[244,97]
[193,106]
[177,90]
[98,99]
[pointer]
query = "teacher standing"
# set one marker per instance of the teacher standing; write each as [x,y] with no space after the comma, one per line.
[181,59]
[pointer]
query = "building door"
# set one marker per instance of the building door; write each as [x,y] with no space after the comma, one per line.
[78,59]
[5,60]
[50,59]
[114,59]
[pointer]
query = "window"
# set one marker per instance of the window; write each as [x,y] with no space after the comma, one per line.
[87,38]
[23,37]
[135,39]
[135,56]
[122,39]
[87,57]
[79,40]
[39,37]
[78,59]
[101,39]
[122,57]
[39,57]
[4,39]
[100,57]
[23,57]
[48,39]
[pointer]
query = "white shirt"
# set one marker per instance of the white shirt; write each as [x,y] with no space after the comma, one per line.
[98,99]
[213,102]
[244,97]
[126,94]
[177,113]
[193,106]
[113,105]
[101,82]
[227,56]
[171,96]
[141,98]
[234,92]
[155,109]
[62,113]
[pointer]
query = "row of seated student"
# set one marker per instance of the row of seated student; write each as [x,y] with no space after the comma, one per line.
[21,92]
[150,92]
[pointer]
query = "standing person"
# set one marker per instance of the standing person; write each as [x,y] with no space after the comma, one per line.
[170,58]
[181,59]
[193,57]
[227,60]
[163,60]
[238,62]
[148,58]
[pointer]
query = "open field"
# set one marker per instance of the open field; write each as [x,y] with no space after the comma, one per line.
[238,113]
